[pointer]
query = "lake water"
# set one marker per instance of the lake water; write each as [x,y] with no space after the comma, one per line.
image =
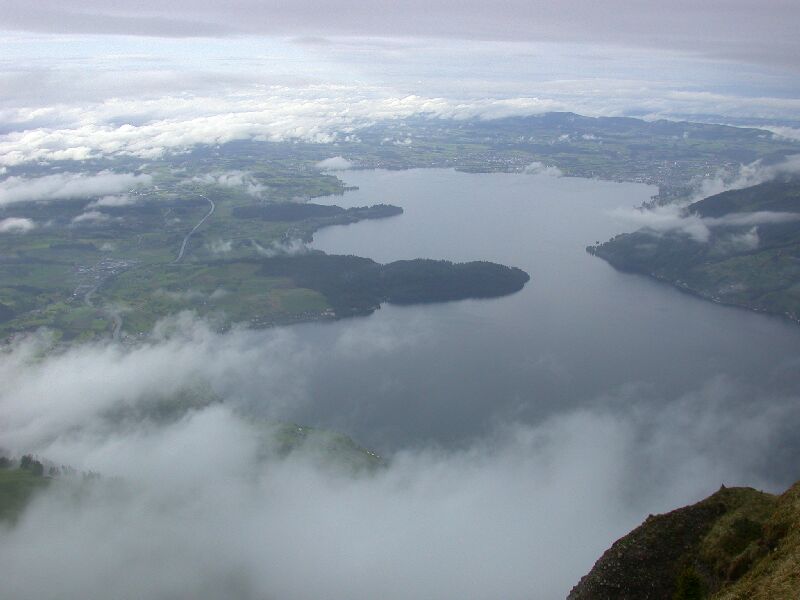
[579,334]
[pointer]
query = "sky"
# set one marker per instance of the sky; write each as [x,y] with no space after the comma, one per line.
[92,78]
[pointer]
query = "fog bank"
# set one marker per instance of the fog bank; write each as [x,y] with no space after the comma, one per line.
[193,504]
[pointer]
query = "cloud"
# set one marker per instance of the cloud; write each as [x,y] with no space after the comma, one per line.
[746,241]
[784,133]
[528,506]
[181,352]
[218,246]
[102,123]
[114,200]
[318,114]
[746,176]
[191,295]
[539,168]
[234,179]
[286,248]
[64,186]
[663,219]
[675,218]
[713,29]
[91,216]
[16,225]
[334,163]
[88,20]
[744,219]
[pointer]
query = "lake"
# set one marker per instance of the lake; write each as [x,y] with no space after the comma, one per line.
[580,334]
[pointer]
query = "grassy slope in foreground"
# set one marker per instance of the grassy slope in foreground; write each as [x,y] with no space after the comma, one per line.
[746,261]
[737,544]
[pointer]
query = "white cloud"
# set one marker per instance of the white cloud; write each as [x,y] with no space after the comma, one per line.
[664,219]
[682,29]
[64,186]
[675,218]
[16,225]
[528,507]
[191,295]
[321,112]
[233,179]
[91,216]
[785,133]
[746,176]
[218,246]
[291,247]
[749,240]
[539,168]
[334,163]
[115,200]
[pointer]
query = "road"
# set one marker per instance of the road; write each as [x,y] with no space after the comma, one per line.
[195,228]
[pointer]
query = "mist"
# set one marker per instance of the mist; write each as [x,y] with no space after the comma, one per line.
[747,175]
[17,225]
[519,512]
[675,218]
[64,186]
[233,179]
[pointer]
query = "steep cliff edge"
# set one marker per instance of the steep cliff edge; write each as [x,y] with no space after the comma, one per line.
[738,543]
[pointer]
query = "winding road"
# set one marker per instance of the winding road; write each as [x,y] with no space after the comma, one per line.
[194,229]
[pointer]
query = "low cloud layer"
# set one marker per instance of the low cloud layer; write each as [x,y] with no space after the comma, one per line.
[291,247]
[16,225]
[234,179]
[673,218]
[334,163]
[113,201]
[538,168]
[746,176]
[676,218]
[320,113]
[527,507]
[91,216]
[63,186]
[309,114]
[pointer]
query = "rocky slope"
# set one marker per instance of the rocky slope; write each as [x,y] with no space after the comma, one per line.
[737,544]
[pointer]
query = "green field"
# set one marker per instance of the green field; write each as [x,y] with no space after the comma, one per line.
[86,268]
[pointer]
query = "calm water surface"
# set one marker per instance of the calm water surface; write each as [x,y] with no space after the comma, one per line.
[579,334]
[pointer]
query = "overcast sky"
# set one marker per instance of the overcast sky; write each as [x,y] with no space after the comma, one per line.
[75,76]
[758,31]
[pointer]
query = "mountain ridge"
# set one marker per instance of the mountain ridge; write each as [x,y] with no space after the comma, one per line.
[737,544]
